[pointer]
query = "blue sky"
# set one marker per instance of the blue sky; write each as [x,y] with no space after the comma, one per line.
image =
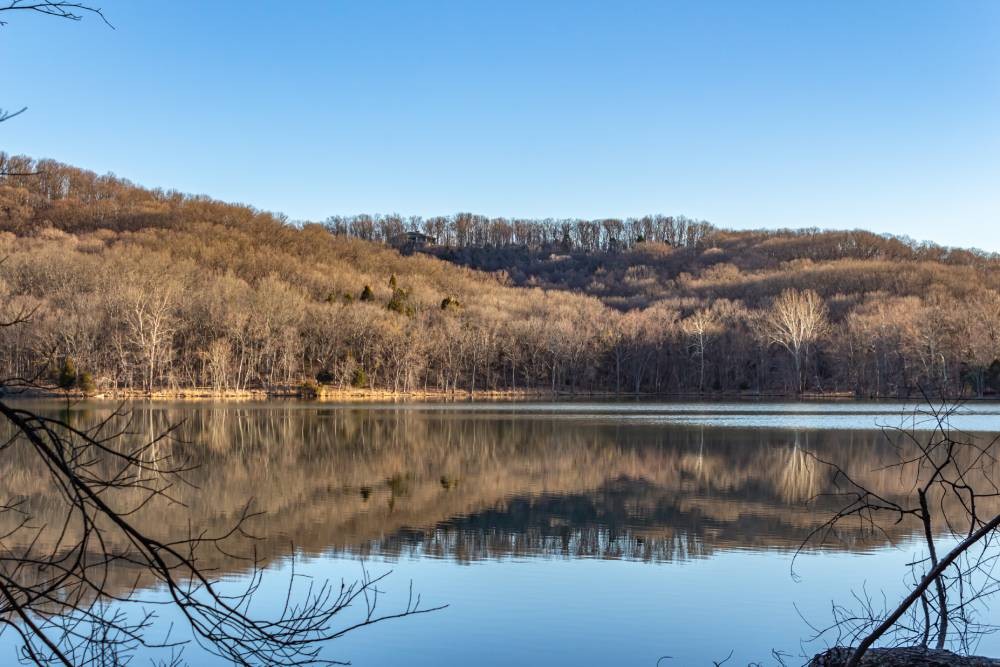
[880,115]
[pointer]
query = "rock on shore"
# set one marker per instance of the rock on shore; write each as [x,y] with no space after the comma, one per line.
[901,657]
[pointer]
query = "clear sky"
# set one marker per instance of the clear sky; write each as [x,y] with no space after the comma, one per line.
[882,115]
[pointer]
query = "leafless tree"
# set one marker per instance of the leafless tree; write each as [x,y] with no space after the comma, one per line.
[795,321]
[954,507]
[701,328]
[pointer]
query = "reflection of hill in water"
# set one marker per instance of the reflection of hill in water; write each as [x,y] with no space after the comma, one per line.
[625,518]
[469,486]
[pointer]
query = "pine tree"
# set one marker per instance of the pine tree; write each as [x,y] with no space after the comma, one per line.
[85,382]
[67,374]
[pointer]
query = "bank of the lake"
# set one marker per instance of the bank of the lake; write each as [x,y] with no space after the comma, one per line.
[312,391]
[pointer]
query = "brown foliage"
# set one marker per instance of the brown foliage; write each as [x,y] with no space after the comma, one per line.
[150,289]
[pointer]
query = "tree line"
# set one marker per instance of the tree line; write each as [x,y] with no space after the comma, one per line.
[133,289]
[468,230]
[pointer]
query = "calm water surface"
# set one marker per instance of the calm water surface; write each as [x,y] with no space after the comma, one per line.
[558,534]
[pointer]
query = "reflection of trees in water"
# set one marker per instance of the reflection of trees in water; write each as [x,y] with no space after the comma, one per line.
[585,542]
[619,520]
[473,485]
[797,481]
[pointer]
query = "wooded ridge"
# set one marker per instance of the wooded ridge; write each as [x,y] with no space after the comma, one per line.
[136,289]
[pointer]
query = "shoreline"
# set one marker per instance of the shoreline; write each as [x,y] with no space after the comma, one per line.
[331,395]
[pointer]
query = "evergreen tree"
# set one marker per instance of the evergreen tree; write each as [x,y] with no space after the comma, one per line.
[400,302]
[67,374]
[85,382]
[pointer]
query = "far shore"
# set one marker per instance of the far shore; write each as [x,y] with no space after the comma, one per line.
[361,395]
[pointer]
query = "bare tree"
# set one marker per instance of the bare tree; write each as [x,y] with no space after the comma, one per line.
[701,328]
[145,312]
[795,321]
[954,506]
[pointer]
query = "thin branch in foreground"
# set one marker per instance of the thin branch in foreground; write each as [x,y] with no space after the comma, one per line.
[953,497]
[71,11]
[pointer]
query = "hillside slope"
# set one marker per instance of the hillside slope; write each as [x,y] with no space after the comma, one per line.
[753,266]
[138,289]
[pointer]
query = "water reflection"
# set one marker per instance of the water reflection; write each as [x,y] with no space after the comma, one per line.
[468,485]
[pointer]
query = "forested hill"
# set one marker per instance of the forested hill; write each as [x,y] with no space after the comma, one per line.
[751,266]
[138,289]
[634,262]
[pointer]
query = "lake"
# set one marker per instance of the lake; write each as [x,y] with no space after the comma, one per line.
[562,533]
